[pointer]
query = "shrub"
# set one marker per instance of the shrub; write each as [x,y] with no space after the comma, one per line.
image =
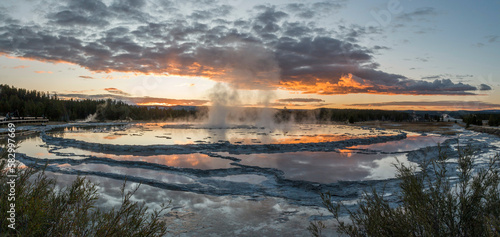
[429,204]
[40,210]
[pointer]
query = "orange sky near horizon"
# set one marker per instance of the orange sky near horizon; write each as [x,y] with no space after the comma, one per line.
[327,95]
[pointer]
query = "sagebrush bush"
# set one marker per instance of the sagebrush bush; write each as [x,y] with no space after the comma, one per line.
[41,210]
[429,203]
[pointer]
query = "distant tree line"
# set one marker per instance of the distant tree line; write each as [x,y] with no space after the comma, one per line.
[494,120]
[477,119]
[342,115]
[31,103]
[472,119]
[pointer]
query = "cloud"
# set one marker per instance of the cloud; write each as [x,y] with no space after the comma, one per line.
[439,105]
[152,101]
[20,67]
[267,49]
[82,91]
[86,77]
[448,75]
[492,38]
[84,13]
[418,14]
[43,72]
[310,10]
[116,91]
[434,77]
[484,87]
[302,100]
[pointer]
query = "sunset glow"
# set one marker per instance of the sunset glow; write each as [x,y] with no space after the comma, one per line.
[294,50]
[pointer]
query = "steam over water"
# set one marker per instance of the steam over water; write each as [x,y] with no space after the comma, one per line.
[224,100]
[227,109]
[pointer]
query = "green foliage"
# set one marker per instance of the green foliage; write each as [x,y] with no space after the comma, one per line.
[41,210]
[429,204]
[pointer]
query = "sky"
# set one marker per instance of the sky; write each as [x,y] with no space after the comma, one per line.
[390,54]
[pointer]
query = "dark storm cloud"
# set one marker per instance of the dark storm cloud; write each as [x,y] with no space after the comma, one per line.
[268,49]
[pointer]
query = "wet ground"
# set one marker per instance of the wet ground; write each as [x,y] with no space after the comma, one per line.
[241,180]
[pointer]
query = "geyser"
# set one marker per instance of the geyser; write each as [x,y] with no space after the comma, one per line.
[222,99]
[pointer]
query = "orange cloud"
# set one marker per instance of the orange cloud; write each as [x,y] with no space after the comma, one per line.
[116,91]
[156,104]
[345,85]
[43,72]
[20,67]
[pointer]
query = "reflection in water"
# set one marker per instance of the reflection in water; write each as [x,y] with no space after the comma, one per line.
[202,215]
[244,178]
[327,167]
[112,137]
[236,209]
[194,160]
[156,134]
[33,146]
[409,144]
[138,172]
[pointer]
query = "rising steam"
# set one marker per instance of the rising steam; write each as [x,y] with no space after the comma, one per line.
[224,100]
[251,67]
